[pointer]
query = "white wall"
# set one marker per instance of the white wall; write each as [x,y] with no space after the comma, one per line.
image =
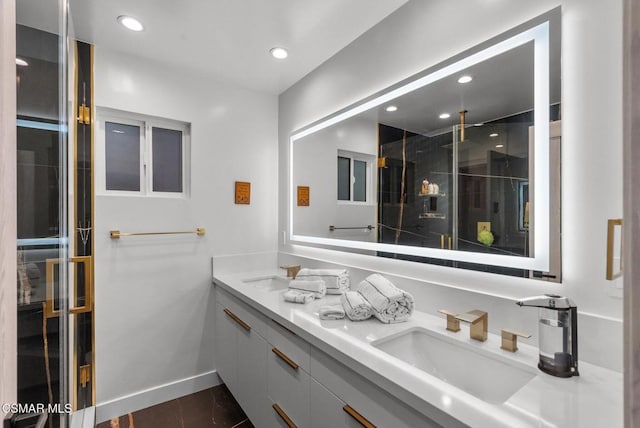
[315,165]
[153,299]
[420,35]
[8,304]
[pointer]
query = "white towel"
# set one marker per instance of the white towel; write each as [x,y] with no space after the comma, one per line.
[316,287]
[355,306]
[390,304]
[337,281]
[297,296]
[331,312]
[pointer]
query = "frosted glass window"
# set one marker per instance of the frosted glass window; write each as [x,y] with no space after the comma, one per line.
[359,181]
[167,160]
[122,152]
[344,179]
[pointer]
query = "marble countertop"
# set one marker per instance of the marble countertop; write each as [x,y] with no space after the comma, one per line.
[592,399]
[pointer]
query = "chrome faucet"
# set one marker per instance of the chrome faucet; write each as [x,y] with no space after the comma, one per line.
[479,323]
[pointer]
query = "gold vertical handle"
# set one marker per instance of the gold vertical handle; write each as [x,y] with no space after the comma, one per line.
[357,416]
[49,310]
[611,224]
[88,298]
[287,420]
[237,319]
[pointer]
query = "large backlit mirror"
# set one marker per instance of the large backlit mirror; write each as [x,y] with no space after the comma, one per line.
[458,165]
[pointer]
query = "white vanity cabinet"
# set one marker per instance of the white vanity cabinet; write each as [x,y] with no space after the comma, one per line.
[240,351]
[288,376]
[364,399]
[327,410]
[281,380]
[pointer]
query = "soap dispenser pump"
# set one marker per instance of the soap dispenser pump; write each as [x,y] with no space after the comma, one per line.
[558,334]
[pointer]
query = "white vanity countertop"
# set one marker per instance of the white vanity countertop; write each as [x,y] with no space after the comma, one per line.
[593,399]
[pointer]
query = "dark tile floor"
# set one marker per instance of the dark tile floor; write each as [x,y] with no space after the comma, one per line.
[213,407]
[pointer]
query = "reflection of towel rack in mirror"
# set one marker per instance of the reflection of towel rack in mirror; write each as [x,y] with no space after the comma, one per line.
[332,228]
[116,234]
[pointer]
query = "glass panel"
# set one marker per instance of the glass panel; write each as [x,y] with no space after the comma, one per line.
[408,213]
[167,160]
[360,181]
[344,179]
[122,149]
[493,171]
[42,243]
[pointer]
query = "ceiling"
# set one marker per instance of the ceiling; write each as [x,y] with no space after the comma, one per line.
[501,86]
[227,39]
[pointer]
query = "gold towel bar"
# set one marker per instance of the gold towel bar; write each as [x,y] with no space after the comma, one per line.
[116,234]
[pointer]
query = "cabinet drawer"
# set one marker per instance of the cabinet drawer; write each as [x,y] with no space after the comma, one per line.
[288,345]
[377,406]
[288,387]
[327,410]
[226,348]
[244,313]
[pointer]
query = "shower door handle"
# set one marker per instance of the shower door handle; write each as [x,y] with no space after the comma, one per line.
[49,307]
[88,298]
[50,310]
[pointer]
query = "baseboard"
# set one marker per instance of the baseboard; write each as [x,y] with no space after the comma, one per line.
[156,395]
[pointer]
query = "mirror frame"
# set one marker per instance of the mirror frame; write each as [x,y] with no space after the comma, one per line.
[536,31]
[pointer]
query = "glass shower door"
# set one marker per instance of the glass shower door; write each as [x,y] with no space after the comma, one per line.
[42,238]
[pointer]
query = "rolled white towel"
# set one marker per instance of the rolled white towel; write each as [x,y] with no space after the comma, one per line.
[297,296]
[355,306]
[390,304]
[337,281]
[331,312]
[316,287]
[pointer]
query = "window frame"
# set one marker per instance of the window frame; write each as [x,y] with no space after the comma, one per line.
[146,124]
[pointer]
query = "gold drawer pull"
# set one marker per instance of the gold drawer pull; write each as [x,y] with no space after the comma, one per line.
[287,420]
[237,319]
[357,416]
[284,358]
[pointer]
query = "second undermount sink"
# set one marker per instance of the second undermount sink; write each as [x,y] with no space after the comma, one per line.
[269,283]
[489,378]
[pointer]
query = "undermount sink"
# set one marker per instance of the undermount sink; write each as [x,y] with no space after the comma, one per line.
[270,283]
[489,378]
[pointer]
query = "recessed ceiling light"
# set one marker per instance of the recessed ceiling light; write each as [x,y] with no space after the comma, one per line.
[499,146]
[130,23]
[444,116]
[392,108]
[478,124]
[279,53]
[21,62]
[493,135]
[465,79]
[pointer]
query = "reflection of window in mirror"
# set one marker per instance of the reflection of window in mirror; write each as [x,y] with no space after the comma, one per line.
[355,177]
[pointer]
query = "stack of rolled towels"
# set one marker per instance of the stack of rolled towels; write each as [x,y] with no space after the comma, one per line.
[375,296]
[305,291]
[388,303]
[336,280]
